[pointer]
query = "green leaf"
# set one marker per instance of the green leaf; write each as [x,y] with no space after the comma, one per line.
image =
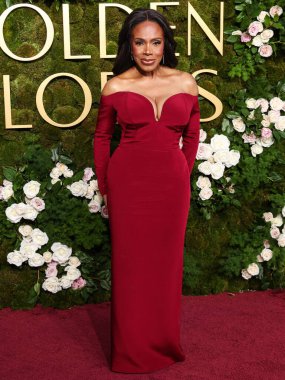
[9,173]
[37,288]
[232,38]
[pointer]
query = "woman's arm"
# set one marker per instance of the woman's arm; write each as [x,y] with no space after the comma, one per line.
[105,126]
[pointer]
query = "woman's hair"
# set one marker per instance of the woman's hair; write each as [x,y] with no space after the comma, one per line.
[123,59]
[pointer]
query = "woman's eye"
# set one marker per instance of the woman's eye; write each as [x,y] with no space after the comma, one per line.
[157,42]
[138,42]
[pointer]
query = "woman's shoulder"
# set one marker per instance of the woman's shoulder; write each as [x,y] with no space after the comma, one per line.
[185,80]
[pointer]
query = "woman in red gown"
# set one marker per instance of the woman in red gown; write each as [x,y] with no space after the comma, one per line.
[146,187]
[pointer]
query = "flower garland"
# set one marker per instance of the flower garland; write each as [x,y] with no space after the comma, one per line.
[257,37]
[258,121]
[277,235]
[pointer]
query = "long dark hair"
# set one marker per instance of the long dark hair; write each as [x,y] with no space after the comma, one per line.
[123,59]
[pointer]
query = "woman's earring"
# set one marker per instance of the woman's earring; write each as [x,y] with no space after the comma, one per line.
[132,58]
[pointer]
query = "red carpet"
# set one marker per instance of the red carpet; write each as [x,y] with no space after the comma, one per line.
[237,337]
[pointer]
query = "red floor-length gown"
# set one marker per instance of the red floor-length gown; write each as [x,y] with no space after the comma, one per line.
[147,181]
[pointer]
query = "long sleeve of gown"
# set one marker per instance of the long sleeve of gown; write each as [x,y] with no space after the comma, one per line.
[191,135]
[105,126]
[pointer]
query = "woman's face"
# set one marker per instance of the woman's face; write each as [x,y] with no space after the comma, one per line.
[147,45]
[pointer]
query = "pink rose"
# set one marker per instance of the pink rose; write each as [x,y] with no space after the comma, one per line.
[255,27]
[249,139]
[265,51]
[88,174]
[245,37]
[51,271]
[79,283]
[266,133]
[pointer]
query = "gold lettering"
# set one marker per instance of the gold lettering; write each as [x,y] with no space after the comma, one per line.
[217,43]
[212,98]
[49,28]
[87,103]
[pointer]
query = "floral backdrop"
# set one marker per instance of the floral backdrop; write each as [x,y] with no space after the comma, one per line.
[55,240]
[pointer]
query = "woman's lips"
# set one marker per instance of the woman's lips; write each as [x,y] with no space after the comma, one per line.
[148,62]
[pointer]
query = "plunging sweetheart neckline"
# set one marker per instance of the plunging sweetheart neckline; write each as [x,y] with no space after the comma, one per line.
[147,99]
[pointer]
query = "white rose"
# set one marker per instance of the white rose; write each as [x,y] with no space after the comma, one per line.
[217,170]
[263,103]
[37,203]
[47,255]
[220,142]
[90,193]
[251,115]
[276,104]
[256,149]
[238,124]
[265,50]
[30,212]
[72,273]
[203,182]
[25,230]
[68,173]
[12,213]
[259,259]
[205,193]
[245,274]
[52,285]
[7,183]
[61,252]
[222,156]
[233,158]
[65,282]
[31,188]
[250,103]
[7,192]
[275,10]
[262,15]
[55,180]
[36,260]
[79,188]
[280,123]
[281,240]
[61,167]
[266,121]
[266,35]
[15,258]
[94,184]
[266,254]
[283,211]
[74,261]
[204,151]
[28,249]
[203,135]
[255,27]
[273,116]
[39,237]
[237,33]
[257,41]
[277,221]
[268,216]
[94,206]
[205,167]
[253,269]
[55,173]
[266,142]
[274,232]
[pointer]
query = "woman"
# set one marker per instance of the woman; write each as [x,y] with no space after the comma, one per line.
[146,187]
